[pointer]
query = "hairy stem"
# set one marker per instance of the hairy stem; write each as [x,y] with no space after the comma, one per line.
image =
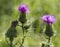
[11,42]
[23,36]
[48,42]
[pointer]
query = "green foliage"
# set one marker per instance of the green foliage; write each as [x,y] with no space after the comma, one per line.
[9,12]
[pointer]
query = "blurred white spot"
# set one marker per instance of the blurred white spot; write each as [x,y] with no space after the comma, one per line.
[0,40]
[42,42]
[52,45]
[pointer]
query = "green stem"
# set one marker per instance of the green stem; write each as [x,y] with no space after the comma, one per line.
[48,45]
[11,42]
[23,36]
[48,42]
[23,28]
[22,42]
[43,45]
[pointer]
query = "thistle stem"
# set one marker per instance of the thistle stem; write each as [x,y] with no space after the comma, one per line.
[43,45]
[23,36]
[48,42]
[11,42]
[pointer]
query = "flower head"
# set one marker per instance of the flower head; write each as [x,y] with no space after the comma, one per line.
[48,19]
[23,8]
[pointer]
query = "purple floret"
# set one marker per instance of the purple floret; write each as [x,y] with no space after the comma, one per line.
[48,19]
[23,8]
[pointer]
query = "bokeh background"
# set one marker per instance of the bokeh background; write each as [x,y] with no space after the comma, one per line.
[9,12]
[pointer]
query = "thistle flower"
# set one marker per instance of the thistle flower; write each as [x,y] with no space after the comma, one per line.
[23,8]
[48,19]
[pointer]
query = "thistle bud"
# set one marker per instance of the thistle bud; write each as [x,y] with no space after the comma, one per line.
[49,31]
[12,32]
[22,18]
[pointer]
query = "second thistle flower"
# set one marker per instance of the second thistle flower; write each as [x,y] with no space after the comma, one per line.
[49,20]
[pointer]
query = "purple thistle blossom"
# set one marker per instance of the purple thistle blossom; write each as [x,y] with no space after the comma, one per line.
[23,8]
[48,19]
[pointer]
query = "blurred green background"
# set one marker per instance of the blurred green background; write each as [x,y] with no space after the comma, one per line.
[9,12]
